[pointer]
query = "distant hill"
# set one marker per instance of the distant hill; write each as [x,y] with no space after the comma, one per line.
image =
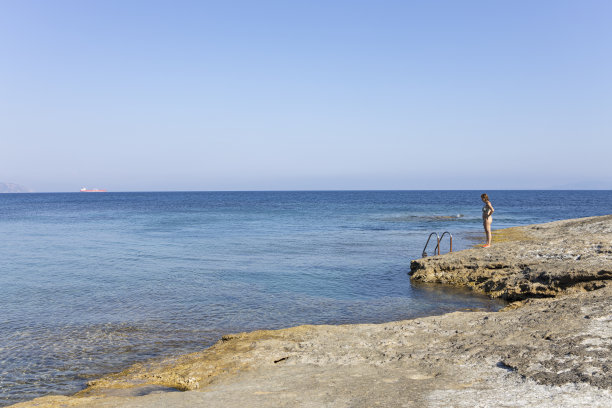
[13,188]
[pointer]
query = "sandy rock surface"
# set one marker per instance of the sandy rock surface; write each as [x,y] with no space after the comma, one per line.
[532,261]
[541,352]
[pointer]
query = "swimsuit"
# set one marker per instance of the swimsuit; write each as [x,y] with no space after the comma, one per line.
[485,212]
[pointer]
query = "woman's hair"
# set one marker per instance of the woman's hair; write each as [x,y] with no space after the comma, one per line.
[484,197]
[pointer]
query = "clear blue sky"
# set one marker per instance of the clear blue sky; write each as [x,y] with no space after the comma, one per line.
[259,95]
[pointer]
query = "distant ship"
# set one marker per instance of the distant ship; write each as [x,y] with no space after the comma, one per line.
[93,190]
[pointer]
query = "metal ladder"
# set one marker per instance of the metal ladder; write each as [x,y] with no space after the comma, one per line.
[438,240]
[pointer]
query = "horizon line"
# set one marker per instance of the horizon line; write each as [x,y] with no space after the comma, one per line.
[310,190]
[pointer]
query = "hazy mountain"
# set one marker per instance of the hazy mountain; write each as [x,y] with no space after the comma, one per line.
[13,188]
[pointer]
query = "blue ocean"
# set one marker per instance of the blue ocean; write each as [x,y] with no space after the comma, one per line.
[91,283]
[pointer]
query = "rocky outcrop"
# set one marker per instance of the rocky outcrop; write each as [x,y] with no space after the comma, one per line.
[541,260]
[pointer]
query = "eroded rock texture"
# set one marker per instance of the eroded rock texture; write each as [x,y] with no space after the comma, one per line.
[540,260]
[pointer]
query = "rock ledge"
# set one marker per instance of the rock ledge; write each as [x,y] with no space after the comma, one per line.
[542,260]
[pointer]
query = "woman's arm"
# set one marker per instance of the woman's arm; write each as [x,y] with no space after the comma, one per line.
[490,207]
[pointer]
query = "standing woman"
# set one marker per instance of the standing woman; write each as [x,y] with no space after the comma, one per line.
[487,218]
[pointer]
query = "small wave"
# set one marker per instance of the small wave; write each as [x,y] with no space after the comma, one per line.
[447,217]
[413,218]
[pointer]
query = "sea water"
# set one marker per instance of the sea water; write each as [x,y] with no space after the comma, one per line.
[93,282]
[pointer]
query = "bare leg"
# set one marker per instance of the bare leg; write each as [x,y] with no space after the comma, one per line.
[487,228]
[484,224]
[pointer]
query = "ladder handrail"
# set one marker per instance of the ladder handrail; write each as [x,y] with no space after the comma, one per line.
[440,240]
[424,254]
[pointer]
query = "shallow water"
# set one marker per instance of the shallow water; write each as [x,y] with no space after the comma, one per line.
[91,283]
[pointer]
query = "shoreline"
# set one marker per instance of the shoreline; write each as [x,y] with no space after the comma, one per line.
[557,274]
[533,261]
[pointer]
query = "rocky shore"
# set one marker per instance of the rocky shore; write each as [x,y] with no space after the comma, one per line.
[550,348]
[542,260]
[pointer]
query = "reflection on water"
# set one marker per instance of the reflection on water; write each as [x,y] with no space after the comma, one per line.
[474,238]
[436,290]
